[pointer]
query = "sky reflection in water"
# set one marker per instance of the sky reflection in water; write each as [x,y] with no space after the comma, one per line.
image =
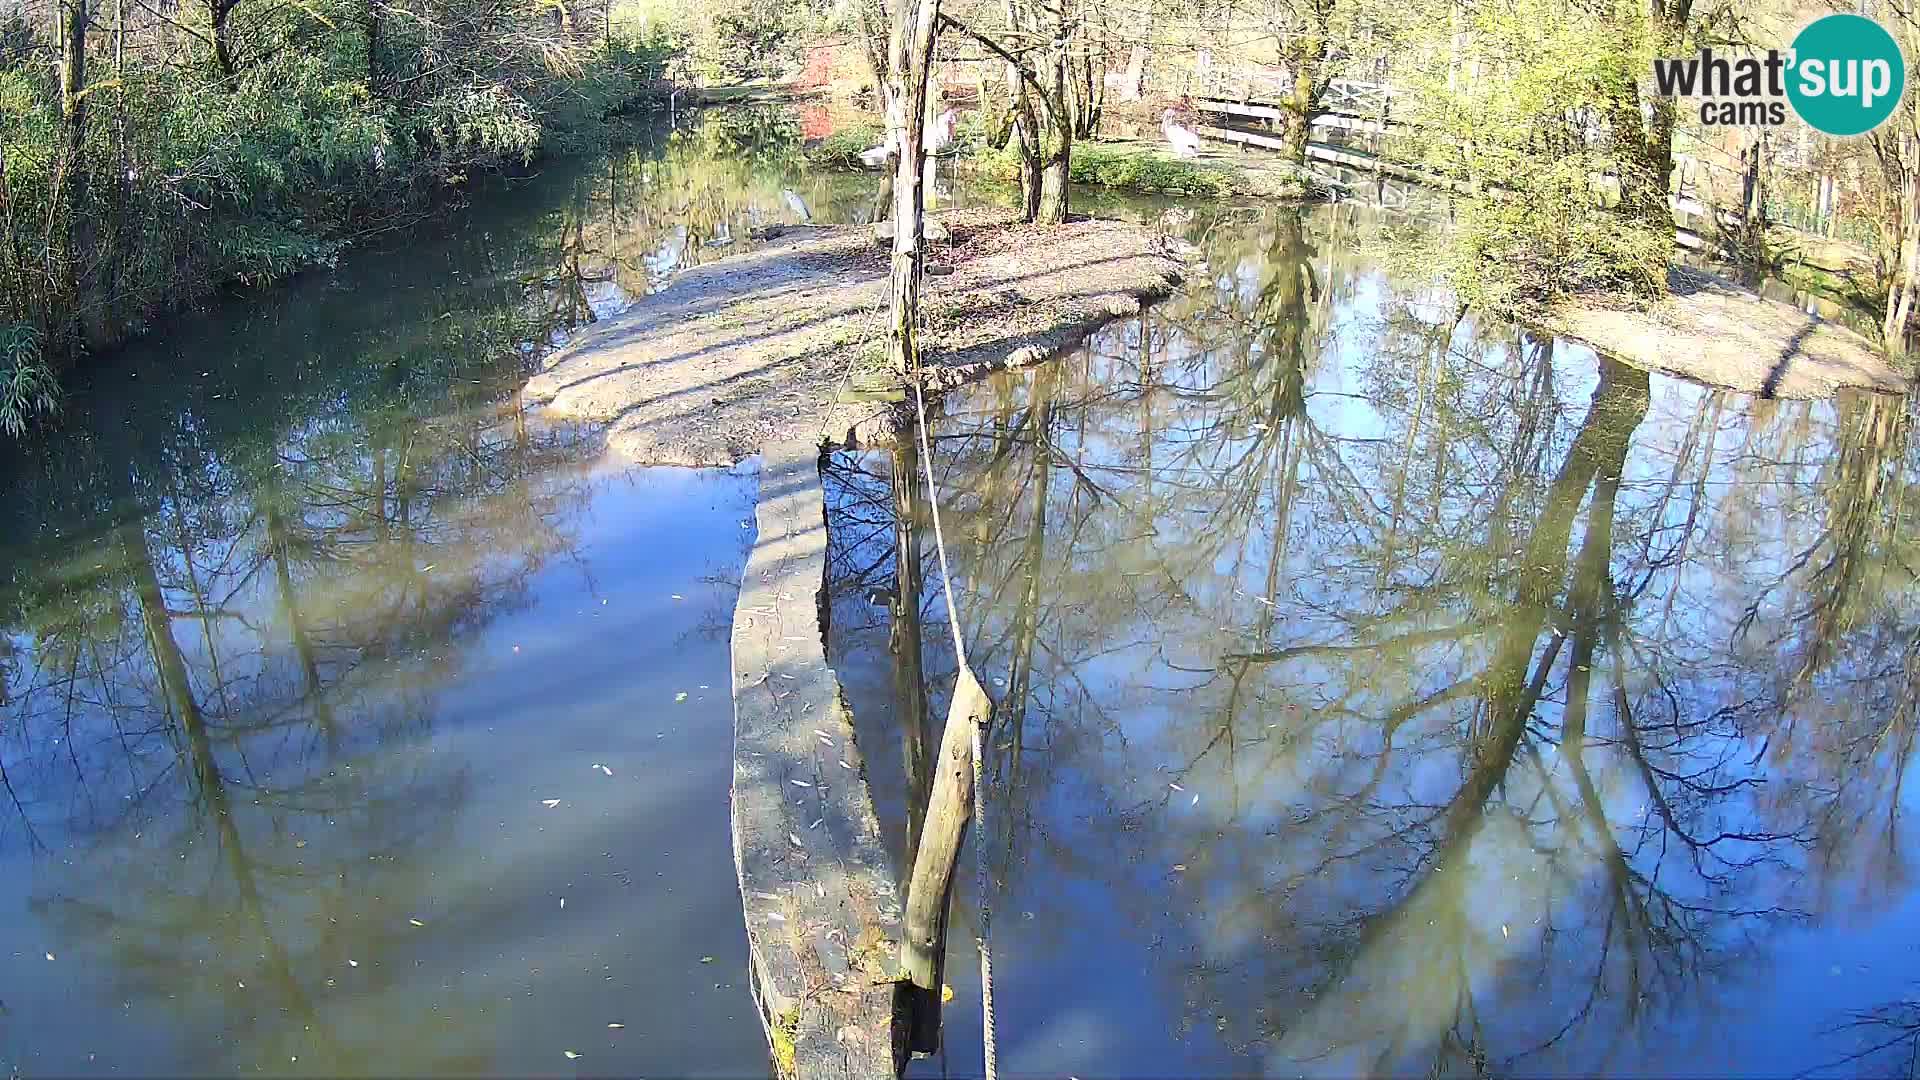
[1385,693]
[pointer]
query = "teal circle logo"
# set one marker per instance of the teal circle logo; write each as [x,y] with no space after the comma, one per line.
[1847,75]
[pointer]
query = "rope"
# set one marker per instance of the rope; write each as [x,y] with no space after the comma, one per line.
[983,943]
[939,538]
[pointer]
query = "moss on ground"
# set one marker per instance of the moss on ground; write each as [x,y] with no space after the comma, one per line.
[782,1034]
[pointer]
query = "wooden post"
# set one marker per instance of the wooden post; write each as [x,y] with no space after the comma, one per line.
[946,824]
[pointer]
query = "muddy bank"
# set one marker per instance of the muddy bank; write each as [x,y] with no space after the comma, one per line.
[756,348]
[1712,331]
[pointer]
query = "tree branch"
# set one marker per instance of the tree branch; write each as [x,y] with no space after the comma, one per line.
[1026,73]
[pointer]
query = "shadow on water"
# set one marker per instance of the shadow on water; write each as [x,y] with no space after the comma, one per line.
[1389,692]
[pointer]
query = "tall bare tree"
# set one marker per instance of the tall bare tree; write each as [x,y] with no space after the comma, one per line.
[909,63]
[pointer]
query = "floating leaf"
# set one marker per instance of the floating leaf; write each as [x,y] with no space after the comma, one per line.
[681,696]
[706,959]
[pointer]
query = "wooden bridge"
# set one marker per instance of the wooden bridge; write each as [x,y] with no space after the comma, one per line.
[1347,105]
[1354,113]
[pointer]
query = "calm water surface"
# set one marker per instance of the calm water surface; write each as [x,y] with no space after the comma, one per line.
[350,720]
[1384,693]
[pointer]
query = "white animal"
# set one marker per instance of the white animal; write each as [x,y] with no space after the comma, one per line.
[1185,140]
[937,138]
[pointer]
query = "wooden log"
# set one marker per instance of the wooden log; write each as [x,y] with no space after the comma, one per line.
[948,813]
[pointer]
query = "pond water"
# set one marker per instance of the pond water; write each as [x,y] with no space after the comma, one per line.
[352,722]
[1382,692]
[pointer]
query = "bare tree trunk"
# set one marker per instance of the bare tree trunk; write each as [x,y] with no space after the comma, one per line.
[218,12]
[1026,130]
[1753,211]
[372,17]
[910,55]
[1900,291]
[73,116]
[1057,141]
[1136,74]
[874,43]
[1670,25]
[1306,57]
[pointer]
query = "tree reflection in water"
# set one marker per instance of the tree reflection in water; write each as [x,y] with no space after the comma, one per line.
[1390,691]
[247,696]
[222,834]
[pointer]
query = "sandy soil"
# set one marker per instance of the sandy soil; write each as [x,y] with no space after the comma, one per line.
[757,347]
[1712,331]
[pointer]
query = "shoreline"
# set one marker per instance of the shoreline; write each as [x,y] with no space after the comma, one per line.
[1714,332]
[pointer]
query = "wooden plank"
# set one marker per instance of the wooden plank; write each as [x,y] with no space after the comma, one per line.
[1334,154]
[1256,110]
[1348,123]
[823,915]
[1261,111]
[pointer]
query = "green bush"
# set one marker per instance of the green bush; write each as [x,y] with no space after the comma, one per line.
[1145,170]
[27,387]
[185,180]
[842,148]
[1525,248]
[1125,168]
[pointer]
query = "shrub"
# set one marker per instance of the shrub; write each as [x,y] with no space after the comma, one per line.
[1145,170]
[842,148]
[1125,168]
[27,387]
[1527,247]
